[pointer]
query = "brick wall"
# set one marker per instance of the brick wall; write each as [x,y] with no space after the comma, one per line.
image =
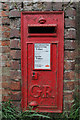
[5,45]
[77,64]
[11,48]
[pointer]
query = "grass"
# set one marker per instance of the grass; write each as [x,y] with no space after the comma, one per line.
[10,112]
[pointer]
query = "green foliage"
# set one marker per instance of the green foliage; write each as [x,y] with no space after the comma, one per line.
[73,114]
[10,112]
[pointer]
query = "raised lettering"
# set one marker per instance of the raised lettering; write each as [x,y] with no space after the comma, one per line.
[35,91]
[44,91]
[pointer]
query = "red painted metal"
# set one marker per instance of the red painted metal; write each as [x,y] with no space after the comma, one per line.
[42,88]
[42,20]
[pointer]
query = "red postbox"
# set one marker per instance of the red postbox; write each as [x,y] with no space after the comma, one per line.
[42,46]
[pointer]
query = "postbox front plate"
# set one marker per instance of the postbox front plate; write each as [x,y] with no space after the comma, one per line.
[42,60]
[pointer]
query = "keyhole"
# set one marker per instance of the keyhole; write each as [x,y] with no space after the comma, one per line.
[33,73]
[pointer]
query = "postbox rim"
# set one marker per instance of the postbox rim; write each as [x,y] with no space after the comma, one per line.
[58,50]
[42,12]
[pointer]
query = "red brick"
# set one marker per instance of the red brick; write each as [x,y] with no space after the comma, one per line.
[6,43]
[0,27]
[5,6]
[70,12]
[77,68]
[0,43]
[0,78]
[5,57]
[69,22]
[69,65]
[68,105]
[14,33]
[17,104]
[69,55]
[6,71]
[5,84]
[77,53]
[5,78]
[70,44]
[77,75]
[68,96]
[15,95]
[16,75]
[70,33]
[78,60]
[69,85]
[4,13]
[15,54]
[77,84]
[69,75]
[57,6]
[6,63]
[16,23]
[14,13]
[15,85]
[5,49]
[1,92]
[0,52]
[5,98]
[5,28]
[48,6]
[5,20]
[14,65]
[6,91]
[6,34]
[15,44]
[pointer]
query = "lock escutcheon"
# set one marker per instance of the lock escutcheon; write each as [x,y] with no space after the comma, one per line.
[34,76]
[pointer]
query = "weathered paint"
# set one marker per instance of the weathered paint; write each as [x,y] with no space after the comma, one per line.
[42,88]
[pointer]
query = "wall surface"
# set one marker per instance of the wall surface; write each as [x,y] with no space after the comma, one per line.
[11,47]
